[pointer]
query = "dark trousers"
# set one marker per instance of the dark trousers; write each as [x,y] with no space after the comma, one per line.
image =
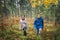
[37,31]
[24,31]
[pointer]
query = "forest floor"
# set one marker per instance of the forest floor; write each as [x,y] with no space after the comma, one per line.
[15,33]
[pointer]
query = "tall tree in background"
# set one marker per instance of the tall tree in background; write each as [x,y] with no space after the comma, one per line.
[25,7]
[12,6]
[4,12]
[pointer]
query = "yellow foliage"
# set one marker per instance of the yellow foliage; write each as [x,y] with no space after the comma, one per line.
[33,1]
[39,2]
[46,6]
[34,5]
[50,1]
[46,2]
[55,2]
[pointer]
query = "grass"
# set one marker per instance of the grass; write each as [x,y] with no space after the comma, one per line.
[14,33]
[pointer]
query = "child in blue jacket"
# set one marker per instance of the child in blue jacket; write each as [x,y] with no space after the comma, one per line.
[38,24]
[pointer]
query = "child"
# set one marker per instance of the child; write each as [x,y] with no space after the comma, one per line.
[23,24]
[38,24]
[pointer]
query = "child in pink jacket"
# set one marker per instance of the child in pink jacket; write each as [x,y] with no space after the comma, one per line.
[23,24]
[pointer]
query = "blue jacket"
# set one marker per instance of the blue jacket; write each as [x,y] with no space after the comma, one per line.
[38,23]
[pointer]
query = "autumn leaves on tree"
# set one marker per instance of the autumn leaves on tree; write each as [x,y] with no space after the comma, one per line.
[35,3]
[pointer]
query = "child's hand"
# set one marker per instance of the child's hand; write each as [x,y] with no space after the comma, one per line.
[24,25]
[43,29]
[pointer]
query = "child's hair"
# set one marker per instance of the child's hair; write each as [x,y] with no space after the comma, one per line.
[39,13]
[22,15]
